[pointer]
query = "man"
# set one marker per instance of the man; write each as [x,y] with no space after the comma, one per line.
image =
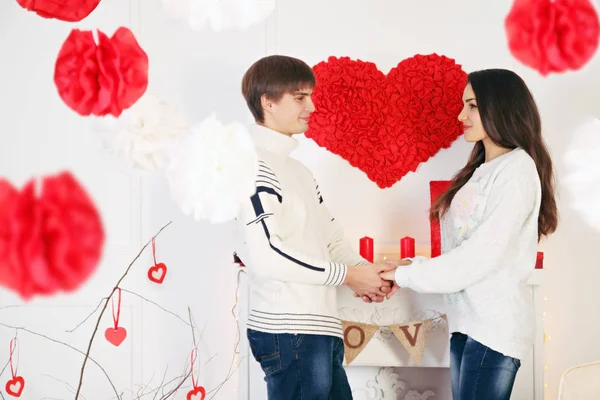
[294,251]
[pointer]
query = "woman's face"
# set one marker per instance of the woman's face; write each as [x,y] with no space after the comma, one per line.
[469,116]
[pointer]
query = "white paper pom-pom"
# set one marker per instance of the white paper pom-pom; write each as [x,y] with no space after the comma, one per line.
[582,178]
[213,171]
[144,133]
[221,15]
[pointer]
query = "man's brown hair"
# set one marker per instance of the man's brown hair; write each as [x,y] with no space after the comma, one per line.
[274,76]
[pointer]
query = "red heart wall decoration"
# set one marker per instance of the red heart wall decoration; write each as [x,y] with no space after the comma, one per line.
[386,125]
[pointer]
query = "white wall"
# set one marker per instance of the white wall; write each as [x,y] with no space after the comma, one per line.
[201,72]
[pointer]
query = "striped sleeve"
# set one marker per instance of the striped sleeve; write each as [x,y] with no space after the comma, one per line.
[270,257]
[339,249]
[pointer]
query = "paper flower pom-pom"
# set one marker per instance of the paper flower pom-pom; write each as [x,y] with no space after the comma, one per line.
[582,178]
[144,133]
[213,171]
[104,78]
[553,35]
[50,241]
[64,10]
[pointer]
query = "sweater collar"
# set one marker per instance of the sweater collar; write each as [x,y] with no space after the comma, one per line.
[272,140]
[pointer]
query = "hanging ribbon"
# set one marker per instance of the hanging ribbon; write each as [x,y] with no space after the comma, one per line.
[158,272]
[198,392]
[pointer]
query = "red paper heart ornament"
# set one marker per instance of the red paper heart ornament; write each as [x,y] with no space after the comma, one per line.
[15,386]
[386,125]
[64,10]
[553,35]
[104,78]
[197,393]
[115,336]
[157,273]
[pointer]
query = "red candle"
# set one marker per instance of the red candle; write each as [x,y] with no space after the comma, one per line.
[407,247]
[539,262]
[366,248]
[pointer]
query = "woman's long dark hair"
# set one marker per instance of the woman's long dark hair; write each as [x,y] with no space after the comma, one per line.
[511,119]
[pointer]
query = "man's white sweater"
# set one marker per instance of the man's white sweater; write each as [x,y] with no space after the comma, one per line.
[294,250]
[489,246]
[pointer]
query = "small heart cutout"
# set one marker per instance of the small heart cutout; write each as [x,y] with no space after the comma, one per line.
[157,273]
[115,336]
[196,394]
[15,386]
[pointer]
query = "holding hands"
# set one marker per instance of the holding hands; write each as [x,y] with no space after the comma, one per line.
[385,273]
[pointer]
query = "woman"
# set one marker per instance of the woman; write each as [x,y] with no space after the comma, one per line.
[492,217]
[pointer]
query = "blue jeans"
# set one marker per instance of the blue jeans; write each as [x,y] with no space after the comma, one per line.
[478,372]
[301,367]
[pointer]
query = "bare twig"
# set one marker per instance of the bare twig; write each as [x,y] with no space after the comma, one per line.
[5,365]
[162,382]
[64,344]
[71,388]
[186,373]
[11,306]
[156,304]
[87,353]
[89,316]
[143,387]
[232,369]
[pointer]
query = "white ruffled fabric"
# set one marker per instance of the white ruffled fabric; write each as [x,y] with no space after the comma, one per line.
[221,15]
[213,171]
[582,178]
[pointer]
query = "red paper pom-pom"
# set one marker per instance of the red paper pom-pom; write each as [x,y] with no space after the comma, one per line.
[553,35]
[51,242]
[104,78]
[387,125]
[64,10]
[21,250]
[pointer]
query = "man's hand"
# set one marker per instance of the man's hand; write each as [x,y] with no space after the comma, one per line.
[366,279]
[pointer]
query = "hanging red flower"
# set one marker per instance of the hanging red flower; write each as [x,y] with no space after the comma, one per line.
[553,35]
[49,241]
[104,78]
[64,10]
[387,125]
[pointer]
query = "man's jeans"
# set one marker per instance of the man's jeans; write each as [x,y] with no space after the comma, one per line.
[301,367]
[478,372]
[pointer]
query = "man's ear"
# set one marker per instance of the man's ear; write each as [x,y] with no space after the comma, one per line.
[266,103]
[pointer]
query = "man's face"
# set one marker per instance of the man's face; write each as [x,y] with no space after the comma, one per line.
[289,115]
